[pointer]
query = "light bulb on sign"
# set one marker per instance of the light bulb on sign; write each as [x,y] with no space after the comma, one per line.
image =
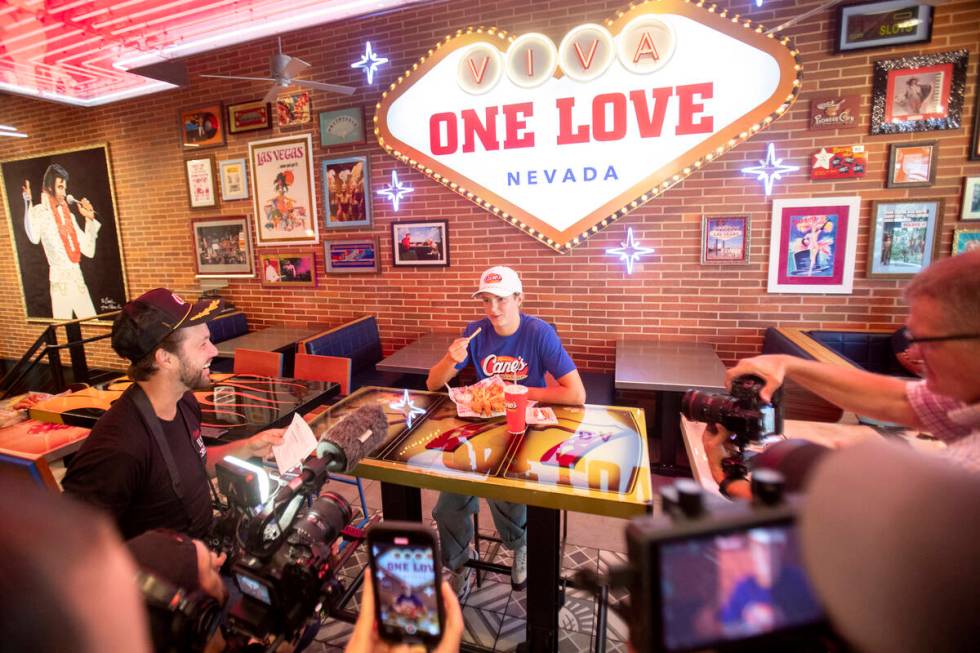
[770,169]
[369,62]
[630,251]
[396,190]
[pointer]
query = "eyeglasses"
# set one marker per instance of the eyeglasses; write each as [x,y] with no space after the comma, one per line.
[917,341]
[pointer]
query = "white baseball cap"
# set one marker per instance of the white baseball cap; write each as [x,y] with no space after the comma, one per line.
[500,281]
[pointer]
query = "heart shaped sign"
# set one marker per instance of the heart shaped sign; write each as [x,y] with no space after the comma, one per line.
[562,140]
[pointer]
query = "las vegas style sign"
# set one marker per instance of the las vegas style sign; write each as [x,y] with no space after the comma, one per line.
[561,140]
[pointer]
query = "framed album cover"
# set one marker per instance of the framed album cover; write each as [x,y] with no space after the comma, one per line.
[971,199]
[342,127]
[283,195]
[202,127]
[222,247]
[903,237]
[293,109]
[288,269]
[912,165]
[725,240]
[249,116]
[351,256]
[347,198]
[866,25]
[200,182]
[234,179]
[921,93]
[420,243]
[814,243]
[966,239]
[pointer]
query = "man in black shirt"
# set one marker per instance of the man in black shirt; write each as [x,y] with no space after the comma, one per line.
[145,462]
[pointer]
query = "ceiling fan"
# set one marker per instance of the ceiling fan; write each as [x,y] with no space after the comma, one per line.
[284,69]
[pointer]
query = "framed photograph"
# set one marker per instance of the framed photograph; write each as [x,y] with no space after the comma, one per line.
[293,109]
[288,269]
[283,196]
[345,186]
[420,243]
[814,242]
[916,94]
[222,247]
[966,239]
[912,165]
[903,237]
[342,127]
[202,127]
[77,242]
[866,25]
[971,199]
[725,240]
[249,116]
[975,145]
[351,256]
[200,182]
[234,179]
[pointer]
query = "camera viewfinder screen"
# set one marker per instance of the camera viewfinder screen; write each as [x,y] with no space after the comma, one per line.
[251,587]
[732,586]
[404,582]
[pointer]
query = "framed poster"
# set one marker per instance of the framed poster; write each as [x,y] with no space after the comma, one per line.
[249,116]
[975,145]
[916,94]
[903,237]
[75,241]
[202,127]
[862,26]
[834,111]
[833,162]
[342,127]
[347,198]
[293,109]
[971,199]
[966,239]
[222,247]
[283,197]
[912,165]
[351,256]
[200,182]
[420,243]
[725,241]
[234,179]
[288,269]
[813,245]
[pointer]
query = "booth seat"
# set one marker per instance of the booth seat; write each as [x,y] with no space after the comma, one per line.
[359,341]
[228,326]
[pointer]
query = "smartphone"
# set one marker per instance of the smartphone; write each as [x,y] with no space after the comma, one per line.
[406,570]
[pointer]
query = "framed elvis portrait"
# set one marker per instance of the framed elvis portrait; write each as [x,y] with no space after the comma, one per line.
[814,242]
[234,179]
[912,165]
[288,269]
[345,186]
[249,116]
[725,240]
[283,196]
[903,237]
[420,243]
[342,127]
[293,109]
[971,199]
[921,93]
[966,239]
[351,256]
[201,190]
[222,247]
[866,25]
[202,127]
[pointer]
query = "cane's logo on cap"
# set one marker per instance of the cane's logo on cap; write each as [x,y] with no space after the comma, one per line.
[492,277]
[177,298]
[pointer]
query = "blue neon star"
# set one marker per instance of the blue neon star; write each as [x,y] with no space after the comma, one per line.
[407,407]
[770,169]
[630,251]
[370,62]
[396,190]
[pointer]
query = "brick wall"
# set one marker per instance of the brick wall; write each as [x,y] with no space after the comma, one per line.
[587,293]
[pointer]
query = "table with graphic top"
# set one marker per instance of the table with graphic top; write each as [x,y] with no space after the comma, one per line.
[593,460]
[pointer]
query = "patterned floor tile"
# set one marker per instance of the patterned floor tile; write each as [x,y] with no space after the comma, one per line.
[512,633]
[517,608]
[571,642]
[480,627]
[491,596]
[580,557]
[335,633]
[606,560]
[612,646]
[616,628]
[577,615]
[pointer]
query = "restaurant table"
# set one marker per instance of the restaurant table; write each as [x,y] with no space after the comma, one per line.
[278,338]
[418,357]
[669,369]
[593,460]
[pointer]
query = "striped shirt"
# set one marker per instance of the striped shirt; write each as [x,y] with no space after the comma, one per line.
[950,420]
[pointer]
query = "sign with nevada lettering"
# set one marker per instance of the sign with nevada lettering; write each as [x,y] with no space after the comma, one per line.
[561,140]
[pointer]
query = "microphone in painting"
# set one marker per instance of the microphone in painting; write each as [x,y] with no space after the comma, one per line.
[71,200]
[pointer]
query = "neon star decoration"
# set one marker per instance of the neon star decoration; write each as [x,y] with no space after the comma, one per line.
[630,251]
[770,170]
[396,190]
[369,62]
[407,407]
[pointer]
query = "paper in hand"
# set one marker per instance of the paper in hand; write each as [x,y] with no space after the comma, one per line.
[298,442]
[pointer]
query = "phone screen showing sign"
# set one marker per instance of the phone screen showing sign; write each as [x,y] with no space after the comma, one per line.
[405,587]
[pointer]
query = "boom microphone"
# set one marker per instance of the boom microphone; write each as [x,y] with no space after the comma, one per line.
[353,438]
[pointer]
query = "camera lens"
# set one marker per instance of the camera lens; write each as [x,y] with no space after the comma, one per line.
[700,406]
[325,519]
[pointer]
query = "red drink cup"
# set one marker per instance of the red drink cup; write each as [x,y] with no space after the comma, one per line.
[515,401]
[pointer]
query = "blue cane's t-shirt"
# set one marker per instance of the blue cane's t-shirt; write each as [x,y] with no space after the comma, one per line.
[527,353]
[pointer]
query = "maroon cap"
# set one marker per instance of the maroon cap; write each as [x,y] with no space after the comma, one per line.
[145,322]
[169,555]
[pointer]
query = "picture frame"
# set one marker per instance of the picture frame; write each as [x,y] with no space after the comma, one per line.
[971,199]
[249,116]
[420,244]
[865,26]
[233,175]
[202,126]
[347,199]
[283,193]
[965,239]
[916,94]
[813,246]
[293,269]
[201,191]
[912,165]
[342,126]
[293,109]
[725,240]
[351,256]
[904,235]
[975,143]
[223,247]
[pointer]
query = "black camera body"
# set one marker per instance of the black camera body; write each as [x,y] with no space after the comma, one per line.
[742,411]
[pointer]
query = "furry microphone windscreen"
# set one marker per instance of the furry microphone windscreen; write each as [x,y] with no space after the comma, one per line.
[354,437]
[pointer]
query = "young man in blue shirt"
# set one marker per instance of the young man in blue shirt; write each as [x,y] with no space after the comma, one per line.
[517,347]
